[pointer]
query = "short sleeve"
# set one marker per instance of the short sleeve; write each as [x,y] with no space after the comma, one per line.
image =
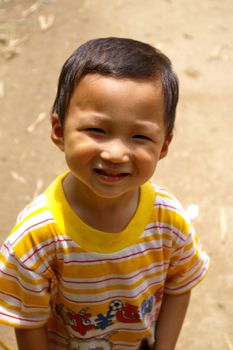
[24,294]
[188,264]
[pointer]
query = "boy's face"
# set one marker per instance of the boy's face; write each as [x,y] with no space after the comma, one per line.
[114,134]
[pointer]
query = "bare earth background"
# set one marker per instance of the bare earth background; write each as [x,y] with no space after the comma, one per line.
[36,38]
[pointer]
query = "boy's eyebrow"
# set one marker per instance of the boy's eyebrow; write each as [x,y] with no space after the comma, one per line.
[147,125]
[102,117]
[95,117]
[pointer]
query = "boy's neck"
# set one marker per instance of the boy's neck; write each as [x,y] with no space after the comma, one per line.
[105,214]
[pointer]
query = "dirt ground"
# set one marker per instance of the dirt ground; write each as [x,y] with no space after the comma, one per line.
[35,39]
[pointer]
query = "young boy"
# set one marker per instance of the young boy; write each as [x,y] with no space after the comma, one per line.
[104,259]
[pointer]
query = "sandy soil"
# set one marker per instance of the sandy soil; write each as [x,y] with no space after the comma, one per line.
[198,37]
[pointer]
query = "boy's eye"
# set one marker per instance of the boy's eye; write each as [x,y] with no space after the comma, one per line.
[142,137]
[95,130]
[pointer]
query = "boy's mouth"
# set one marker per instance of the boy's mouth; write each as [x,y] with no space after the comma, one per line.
[111,173]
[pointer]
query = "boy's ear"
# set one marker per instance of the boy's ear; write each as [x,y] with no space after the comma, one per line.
[57,134]
[165,147]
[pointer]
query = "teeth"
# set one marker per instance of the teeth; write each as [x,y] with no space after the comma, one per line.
[103,172]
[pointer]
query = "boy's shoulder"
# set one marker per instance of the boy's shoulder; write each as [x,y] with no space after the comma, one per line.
[41,206]
[166,199]
[38,204]
[33,224]
[169,211]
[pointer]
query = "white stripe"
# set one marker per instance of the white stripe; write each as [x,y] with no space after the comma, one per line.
[15,277]
[6,316]
[116,294]
[163,193]
[112,280]
[59,242]
[32,256]
[11,301]
[38,203]
[165,228]
[93,258]
[184,254]
[170,201]
[4,251]
[195,269]
[187,285]
[21,269]
[35,222]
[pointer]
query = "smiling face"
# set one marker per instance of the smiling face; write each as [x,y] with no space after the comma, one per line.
[114,134]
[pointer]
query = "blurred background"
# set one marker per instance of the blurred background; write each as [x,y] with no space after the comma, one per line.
[35,39]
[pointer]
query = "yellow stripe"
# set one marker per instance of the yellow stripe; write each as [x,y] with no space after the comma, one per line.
[27,217]
[19,310]
[12,288]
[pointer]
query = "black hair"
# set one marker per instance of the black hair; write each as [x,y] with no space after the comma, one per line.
[118,58]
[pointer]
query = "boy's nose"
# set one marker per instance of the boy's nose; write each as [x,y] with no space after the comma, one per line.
[115,151]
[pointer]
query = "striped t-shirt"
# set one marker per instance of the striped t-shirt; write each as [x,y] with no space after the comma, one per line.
[95,289]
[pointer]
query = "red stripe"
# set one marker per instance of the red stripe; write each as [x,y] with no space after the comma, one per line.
[112,297]
[113,278]
[167,228]
[161,205]
[17,261]
[192,267]
[18,281]
[114,259]
[45,245]
[33,226]
[24,305]
[18,318]
[188,283]
[21,265]
[186,257]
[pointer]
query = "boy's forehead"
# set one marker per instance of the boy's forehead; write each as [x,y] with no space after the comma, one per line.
[106,84]
[106,96]
[106,92]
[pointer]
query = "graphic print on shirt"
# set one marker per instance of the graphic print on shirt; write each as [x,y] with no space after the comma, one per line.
[82,323]
[85,321]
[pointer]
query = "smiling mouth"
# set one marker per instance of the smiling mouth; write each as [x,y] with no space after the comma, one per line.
[111,173]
